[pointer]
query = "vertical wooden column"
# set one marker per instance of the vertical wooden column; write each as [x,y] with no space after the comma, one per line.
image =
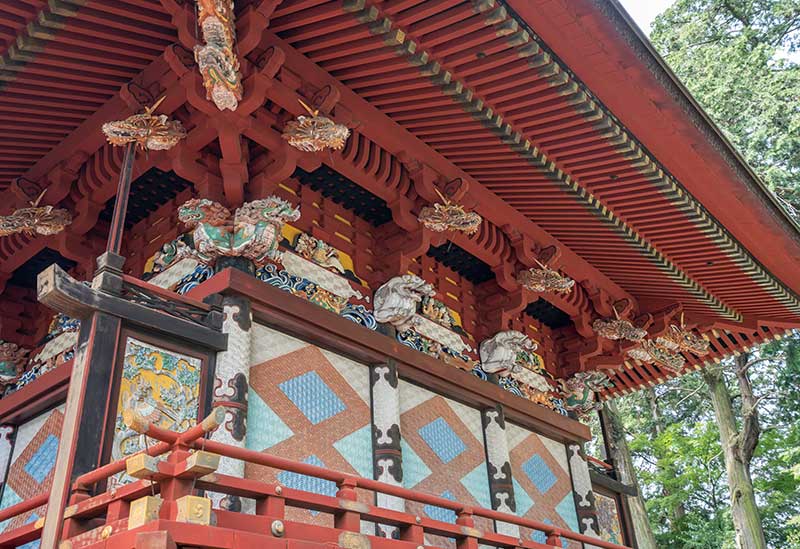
[582,490]
[79,449]
[386,451]
[231,382]
[498,463]
[7,434]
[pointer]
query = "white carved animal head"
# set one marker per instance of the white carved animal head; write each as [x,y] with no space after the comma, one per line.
[499,353]
[396,301]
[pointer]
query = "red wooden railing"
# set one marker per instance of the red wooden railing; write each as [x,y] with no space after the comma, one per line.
[102,520]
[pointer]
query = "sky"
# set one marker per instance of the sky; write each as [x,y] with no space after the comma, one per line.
[644,11]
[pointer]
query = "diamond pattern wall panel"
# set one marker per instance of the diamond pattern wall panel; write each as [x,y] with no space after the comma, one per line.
[542,483]
[307,405]
[443,454]
[33,459]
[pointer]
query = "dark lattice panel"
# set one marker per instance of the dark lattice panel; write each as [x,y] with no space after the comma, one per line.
[548,314]
[462,262]
[149,191]
[347,194]
[25,276]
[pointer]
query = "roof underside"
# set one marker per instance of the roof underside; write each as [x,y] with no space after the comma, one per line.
[468,79]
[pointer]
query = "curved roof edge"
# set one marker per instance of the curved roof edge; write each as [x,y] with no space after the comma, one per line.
[606,50]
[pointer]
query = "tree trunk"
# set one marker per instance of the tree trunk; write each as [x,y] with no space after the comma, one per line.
[746,519]
[621,458]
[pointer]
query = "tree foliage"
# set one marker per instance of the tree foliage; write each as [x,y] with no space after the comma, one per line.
[738,58]
[735,56]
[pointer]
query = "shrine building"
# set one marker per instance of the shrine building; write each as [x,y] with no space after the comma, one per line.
[302,274]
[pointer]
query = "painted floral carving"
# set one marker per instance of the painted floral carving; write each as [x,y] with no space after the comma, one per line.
[438,312]
[396,301]
[320,252]
[579,391]
[253,232]
[315,132]
[12,362]
[216,58]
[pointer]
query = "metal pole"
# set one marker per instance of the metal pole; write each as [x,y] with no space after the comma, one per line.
[121,202]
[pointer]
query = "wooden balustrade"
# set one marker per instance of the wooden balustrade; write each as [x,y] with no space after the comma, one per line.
[102,520]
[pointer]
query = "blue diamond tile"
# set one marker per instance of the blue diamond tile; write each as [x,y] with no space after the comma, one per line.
[43,461]
[540,474]
[477,483]
[566,510]
[35,543]
[313,397]
[440,513]
[265,428]
[522,499]
[10,498]
[541,537]
[307,483]
[356,448]
[442,440]
[414,469]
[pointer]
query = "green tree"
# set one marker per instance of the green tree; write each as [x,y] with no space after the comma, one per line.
[735,58]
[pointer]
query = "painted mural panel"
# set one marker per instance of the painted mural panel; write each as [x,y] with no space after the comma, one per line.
[608,518]
[33,461]
[443,454]
[162,386]
[542,483]
[309,405]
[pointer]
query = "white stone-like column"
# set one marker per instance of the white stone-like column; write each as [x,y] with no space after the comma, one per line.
[498,462]
[231,382]
[386,450]
[582,490]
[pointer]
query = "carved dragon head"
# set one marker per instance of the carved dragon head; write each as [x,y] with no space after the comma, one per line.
[202,210]
[271,209]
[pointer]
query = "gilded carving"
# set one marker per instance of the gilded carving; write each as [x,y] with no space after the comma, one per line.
[216,58]
[149,132]
[315,132]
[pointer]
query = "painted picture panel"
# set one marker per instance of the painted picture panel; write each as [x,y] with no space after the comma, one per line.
[162,386]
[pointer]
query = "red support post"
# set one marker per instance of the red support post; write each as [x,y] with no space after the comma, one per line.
[350,518]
